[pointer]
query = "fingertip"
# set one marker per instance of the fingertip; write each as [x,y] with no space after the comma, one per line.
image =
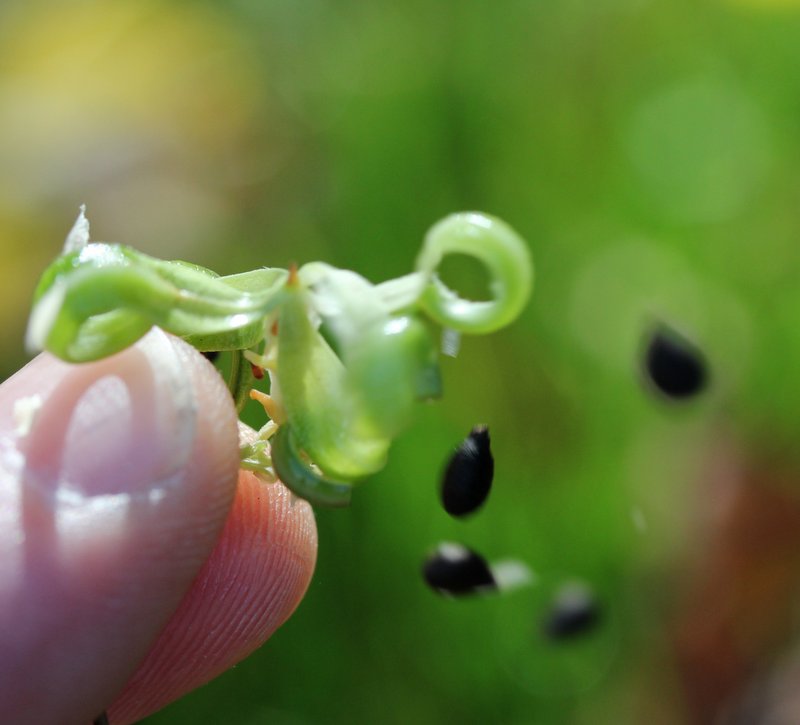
[252,582]
[110,503]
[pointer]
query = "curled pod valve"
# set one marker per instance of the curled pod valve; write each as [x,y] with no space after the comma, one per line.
[301,478]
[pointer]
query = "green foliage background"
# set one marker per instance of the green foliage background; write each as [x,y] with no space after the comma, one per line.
[647,150]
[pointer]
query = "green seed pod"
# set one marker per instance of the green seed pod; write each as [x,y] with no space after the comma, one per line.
[394,365]
[328,422]
[347,359]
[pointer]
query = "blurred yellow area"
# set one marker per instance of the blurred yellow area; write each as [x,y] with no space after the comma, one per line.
[143,109]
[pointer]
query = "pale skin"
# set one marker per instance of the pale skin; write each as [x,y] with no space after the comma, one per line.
[136,562]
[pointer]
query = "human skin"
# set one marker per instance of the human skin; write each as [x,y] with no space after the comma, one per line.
[135,562]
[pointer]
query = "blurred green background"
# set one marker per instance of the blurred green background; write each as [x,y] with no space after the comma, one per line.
[648,150]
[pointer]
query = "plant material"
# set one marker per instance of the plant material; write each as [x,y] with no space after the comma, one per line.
[346,359]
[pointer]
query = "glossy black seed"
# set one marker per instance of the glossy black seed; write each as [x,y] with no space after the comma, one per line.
[574,611]
[468,477]
[211,355]
[456,570]
[675,366]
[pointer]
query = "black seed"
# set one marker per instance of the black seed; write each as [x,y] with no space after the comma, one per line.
[456,570]
[211,355]
[574,612]
[101,719]
[675,366]
[468,476]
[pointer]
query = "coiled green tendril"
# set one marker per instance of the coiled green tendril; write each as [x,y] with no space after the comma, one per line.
[347,359]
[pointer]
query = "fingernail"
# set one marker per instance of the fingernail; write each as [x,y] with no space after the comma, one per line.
[120,426]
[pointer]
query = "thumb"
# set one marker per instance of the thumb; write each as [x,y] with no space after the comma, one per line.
[111,499]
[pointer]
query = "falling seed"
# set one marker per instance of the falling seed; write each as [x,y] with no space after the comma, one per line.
[675,366]
[468,476]
[211,355]
[574,612]
[455,570]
